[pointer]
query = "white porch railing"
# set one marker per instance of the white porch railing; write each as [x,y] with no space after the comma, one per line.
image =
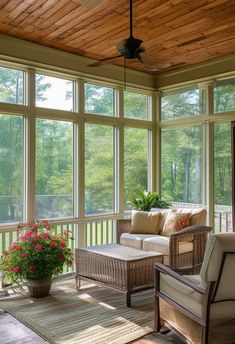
[93,230]
[102,229]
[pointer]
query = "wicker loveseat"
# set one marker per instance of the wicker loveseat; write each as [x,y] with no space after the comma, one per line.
[183,250]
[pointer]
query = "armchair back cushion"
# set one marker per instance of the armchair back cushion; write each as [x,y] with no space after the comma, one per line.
[217,245]
[143,222]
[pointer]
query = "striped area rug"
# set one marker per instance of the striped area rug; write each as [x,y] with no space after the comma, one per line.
[92,315]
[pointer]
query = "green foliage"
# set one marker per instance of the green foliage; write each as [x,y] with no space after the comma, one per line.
[147,200]
[135,105]
[38,254]
[181,164]
[223,164]
[135,160]
[98,99]
[11,85]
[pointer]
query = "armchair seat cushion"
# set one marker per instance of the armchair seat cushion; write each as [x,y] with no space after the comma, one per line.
[160,244]
[182,294]
[134,240]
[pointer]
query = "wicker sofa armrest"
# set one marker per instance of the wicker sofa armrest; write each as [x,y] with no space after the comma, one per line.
[198,235]
[188,232]
[123,226]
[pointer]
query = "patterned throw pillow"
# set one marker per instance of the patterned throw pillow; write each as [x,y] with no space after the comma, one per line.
[175,222]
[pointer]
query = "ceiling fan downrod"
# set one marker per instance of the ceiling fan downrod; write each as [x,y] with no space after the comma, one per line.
[131,31]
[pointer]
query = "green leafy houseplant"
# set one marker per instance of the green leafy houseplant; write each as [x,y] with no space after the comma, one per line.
[37,254]
[146,200]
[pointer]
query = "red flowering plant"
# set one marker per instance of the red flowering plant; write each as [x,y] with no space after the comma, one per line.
[38,253]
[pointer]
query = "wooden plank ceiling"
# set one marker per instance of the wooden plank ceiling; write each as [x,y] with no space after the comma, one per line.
[179,32]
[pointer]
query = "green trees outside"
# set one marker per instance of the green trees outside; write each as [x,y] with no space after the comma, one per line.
[11,85]
[135,161]
[99,169]
[99,100]
[224,96]
[222,164]
[11,168]
[182,103]
[54,169]
[135,105]
[181,151]
[181,164]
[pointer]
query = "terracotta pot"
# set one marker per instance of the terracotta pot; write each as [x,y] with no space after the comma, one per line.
[39,288]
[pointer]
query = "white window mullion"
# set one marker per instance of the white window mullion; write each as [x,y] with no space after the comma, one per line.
[208,154]
[80,168]
[29,152]
[120,198]
[157,141]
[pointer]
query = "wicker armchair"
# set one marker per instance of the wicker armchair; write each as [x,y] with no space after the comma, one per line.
[184,262]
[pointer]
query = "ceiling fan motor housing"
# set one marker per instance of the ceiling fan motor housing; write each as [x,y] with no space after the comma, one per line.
[131,47]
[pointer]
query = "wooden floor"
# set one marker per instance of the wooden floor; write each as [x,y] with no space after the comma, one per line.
[14,332]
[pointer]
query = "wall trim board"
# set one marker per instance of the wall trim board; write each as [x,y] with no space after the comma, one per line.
[211,69]
[34,55]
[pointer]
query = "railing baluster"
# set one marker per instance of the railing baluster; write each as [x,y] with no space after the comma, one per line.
[101,232]
[220,222]
[107,231]
[10,238]
[226,222]
[111,230]
[3,241]
[96,236]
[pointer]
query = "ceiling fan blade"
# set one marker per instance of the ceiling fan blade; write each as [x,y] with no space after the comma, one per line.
[153,64]
[88,3]
[102,61]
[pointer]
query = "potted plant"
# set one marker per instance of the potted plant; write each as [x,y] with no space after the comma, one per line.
[37,255]
[146,200]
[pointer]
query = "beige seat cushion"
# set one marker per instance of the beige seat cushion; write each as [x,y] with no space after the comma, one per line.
[182,294]
[192,300]
[134,240]
[144,222]
[160,244]
[175,222]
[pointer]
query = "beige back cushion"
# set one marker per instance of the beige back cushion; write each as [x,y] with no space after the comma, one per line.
[198,216]
[164,213]
[144,222]
[217,244]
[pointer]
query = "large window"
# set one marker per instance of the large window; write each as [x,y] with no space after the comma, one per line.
[223,177]
[11,168]
[135,105]
[135,161]
[99,169]
[182,103]
[99,100]
[54,169]
[54,93]
[11,85]
[181,164]
[224,95]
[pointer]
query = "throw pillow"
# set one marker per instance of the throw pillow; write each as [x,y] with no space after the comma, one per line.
[175,222]
[198,216]
[144,222]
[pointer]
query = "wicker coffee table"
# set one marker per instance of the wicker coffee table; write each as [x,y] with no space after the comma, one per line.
[120,267]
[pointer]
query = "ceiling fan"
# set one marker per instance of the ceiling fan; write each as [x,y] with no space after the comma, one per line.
[131,48]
